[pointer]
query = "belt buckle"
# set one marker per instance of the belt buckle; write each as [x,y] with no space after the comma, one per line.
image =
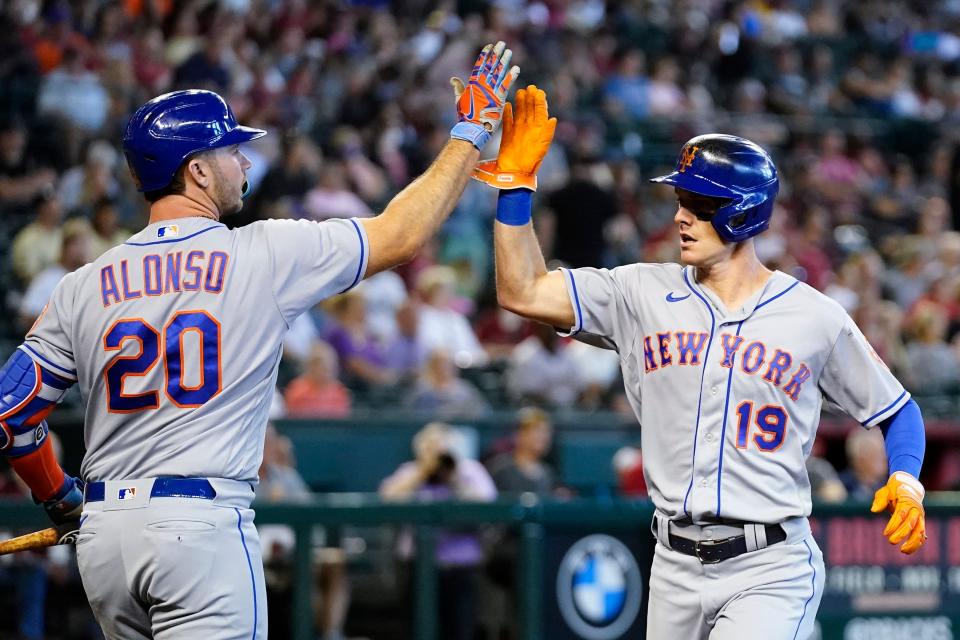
[702,543]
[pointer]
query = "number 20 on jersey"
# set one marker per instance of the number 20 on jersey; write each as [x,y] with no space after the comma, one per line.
[170,344]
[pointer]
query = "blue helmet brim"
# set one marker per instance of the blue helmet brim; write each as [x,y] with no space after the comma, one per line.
[239,135]
[696,184]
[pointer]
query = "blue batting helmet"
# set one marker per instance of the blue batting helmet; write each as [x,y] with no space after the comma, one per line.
[167,130]
[732,168]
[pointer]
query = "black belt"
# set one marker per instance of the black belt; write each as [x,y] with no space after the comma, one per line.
[162,488]
[714,551]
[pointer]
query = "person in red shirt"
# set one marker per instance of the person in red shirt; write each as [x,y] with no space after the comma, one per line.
[317,393]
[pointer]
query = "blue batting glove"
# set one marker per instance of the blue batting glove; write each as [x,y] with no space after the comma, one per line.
[67,505]
[481,100]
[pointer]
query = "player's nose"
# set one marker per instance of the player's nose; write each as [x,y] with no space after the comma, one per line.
[683,216]
[245,161]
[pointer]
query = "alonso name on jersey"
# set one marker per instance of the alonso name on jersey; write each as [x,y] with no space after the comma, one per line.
[162,274]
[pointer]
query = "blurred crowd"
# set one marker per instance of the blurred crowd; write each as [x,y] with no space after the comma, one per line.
[856,100]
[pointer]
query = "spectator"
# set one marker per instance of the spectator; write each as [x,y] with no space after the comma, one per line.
[301,335]
[30,576]
[149,66]
[318,393]
[500,331]
[38,245]
[524,469]
[932,366]
[332,197]
[628,87]
[22,178]
[74,253]
[867,470]
[665,96]
[441,392]
[439,473]
[405,354]
[579,239]
[295,173]
[70,72]
[361,358]
[75,94]
[207,68]
[541,371]
[107,232]
[57,36]
[440,326]
[907,278]
[184,39]
[599,371]
[82,187]
[825,483]
[280,482]
[628,465]
[383,295]
[344,85]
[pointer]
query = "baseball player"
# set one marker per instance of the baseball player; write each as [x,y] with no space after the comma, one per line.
[175,337]
[726,365]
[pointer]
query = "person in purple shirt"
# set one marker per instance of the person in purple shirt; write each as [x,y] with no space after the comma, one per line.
[362,359]
[439,472]
[405,353]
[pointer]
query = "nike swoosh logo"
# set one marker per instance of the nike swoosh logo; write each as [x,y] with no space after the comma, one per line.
[469,116]
[672,298]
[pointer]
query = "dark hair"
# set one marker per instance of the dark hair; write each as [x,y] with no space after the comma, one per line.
[177,185]
[529,417]
[103,203]
[43,196]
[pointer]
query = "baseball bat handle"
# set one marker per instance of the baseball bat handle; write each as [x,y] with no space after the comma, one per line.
[61,534]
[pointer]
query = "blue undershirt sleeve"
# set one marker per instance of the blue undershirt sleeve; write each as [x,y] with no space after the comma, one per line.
[905,440]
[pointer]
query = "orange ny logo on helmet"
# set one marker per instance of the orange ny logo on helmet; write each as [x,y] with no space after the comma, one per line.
[686,158]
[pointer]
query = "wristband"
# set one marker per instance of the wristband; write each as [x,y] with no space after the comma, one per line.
[475,134]
[515,207]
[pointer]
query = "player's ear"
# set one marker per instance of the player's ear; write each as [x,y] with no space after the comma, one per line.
[198,168]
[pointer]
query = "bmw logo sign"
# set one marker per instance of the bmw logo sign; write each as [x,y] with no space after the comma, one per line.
[599,588]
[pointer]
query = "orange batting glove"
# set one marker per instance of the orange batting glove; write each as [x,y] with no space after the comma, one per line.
[480,101]
[903,497]
[525,141]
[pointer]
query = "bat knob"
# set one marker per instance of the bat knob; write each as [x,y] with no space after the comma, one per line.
[68,532]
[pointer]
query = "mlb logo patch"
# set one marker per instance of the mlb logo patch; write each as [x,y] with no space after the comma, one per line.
[127,494]
[169,231]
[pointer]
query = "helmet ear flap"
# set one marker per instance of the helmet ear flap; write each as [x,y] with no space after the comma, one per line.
[738,224]
[737,221]
[744,209]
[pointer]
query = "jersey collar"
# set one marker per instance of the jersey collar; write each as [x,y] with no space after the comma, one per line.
[776,285]
[169,231]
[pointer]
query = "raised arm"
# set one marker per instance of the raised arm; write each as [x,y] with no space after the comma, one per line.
[416,213]
[524,286]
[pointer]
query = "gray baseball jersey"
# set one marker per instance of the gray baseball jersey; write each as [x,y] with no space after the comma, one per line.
[729,400]
[175,338]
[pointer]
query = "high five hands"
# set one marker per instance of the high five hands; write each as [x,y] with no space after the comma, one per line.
[525,141]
